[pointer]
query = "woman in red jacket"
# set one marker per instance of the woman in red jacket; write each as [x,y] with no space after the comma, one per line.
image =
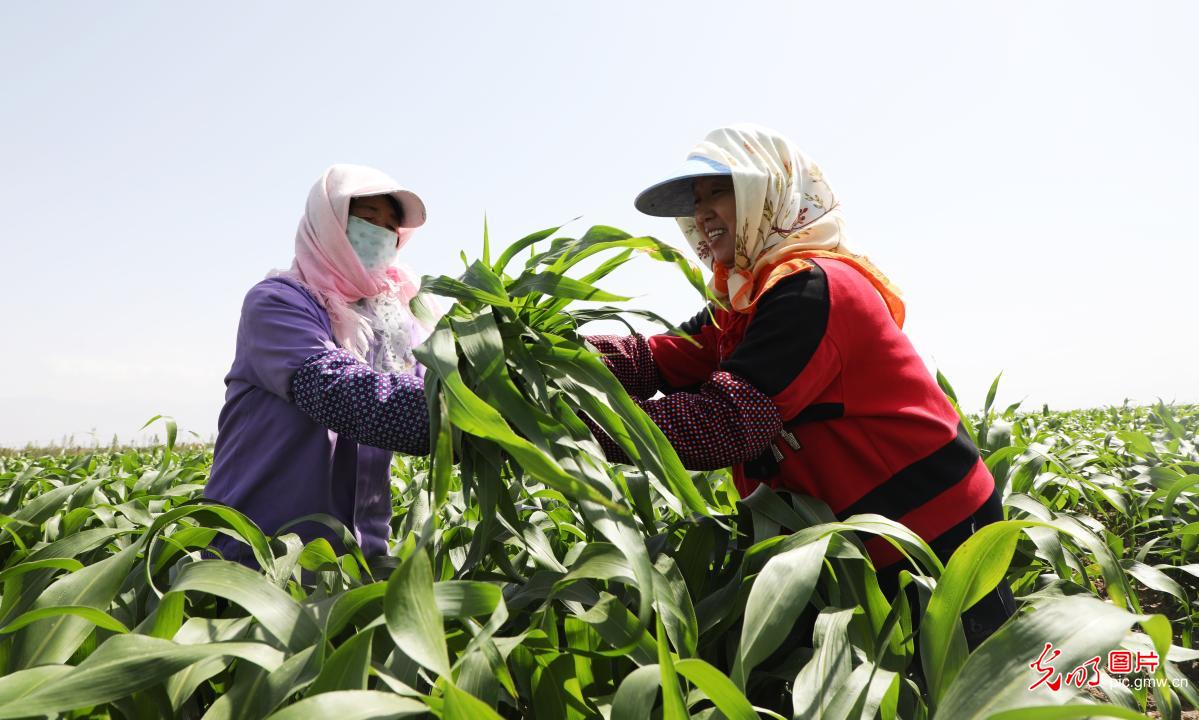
[804,381]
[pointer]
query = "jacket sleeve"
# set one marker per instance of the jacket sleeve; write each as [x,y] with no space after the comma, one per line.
[281,327]
[291,353]
[785,359]
[642,364]
[788,352]
[629,359]
[383,410]
[726,421]
[682,364]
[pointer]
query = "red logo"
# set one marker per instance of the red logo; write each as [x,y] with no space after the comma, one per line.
[1118,662]
[1039,666]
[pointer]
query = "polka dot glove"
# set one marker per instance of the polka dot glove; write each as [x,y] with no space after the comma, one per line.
[727,422]
[383,410]
[630,360]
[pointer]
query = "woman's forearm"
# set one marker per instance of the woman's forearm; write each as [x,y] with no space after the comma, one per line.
[727,421]
[384,410]
[631,362]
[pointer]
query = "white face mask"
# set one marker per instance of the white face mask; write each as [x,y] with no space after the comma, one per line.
[375,246]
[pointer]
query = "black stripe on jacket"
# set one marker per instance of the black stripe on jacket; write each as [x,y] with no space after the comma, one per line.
[906,490]
[784,333]
[816,412]
[921,481]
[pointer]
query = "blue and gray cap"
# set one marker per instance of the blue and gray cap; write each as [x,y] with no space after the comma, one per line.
[674,197]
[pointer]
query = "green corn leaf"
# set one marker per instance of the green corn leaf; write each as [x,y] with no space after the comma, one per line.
[559,286]
[218,516]
[975,569]
[199,631]
[347,667]
[413,618]
[778,595]
[862,693]
[460,705]
[991,394]
[621,630]
[486,242]
[472,415]
[68,564]
[466,598]
[1180,486]
[99,618]
[463,292]
[515,248]
[675,609]
[566,252]
[818,682]
[997,676]
[274,609]
[585,377]
[673,707]
[718,688]
[121,666]
[480,275]
[256,691]
[353,705]
[637,693]
[55,639]
[1067,712]
[348,604]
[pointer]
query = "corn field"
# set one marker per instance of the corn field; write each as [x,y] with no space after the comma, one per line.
[530,578]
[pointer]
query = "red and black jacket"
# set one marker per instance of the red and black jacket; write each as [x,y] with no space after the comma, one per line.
[817,391]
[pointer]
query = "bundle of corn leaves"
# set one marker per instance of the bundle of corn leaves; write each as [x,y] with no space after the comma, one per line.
[508,376]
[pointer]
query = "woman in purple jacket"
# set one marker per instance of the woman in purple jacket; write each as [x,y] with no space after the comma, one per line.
[323,386]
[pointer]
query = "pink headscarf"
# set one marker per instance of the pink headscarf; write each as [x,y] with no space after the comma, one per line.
[326,264]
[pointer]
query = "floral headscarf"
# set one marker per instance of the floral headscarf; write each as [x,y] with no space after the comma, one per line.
[786,212]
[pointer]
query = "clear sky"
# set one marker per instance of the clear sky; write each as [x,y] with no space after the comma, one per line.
[1024,171]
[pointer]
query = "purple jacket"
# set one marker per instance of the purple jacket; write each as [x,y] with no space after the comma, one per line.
[306,428]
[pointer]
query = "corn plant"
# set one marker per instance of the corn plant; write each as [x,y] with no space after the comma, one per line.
[528,577]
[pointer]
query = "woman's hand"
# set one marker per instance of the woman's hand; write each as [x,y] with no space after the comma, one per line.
[629,359]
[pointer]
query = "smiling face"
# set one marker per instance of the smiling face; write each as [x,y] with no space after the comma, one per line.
[716,215]
[381,210]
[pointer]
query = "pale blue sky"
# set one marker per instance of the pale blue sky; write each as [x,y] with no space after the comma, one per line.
[1025,171]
